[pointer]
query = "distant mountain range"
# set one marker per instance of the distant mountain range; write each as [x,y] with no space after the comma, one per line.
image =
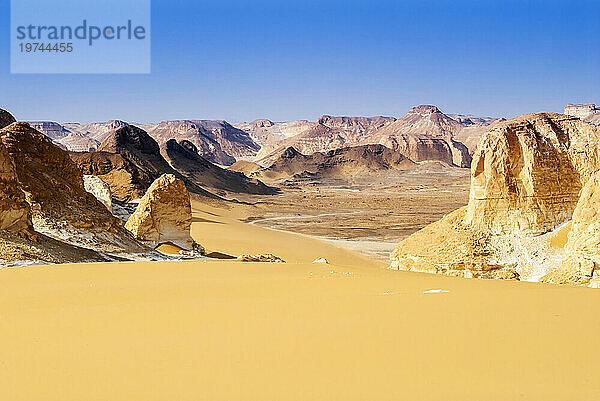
[424,133]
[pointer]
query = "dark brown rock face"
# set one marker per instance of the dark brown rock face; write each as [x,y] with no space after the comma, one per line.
[184,158]
[6,118]
[53,187]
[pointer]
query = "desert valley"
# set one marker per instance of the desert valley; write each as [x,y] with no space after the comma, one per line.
[181,244]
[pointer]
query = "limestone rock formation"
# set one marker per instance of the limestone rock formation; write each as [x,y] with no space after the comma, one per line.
[527,173]
[6,118]
[526,177]
[582,251]
[99,189]
[164,215]
[184,158]
[581,111]
[53,187]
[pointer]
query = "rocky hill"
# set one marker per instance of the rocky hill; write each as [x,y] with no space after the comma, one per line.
[526,181]
[59,205]
[129,160]
[340,163]
[424,133]
[326,134]
[184,158]
[217,141]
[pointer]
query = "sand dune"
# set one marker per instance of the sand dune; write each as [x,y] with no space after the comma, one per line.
[227,330]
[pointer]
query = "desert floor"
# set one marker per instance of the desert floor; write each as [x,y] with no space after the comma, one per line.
[227,330]
[368,215]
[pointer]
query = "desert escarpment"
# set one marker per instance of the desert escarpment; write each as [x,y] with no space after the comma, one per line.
[53,187]
[164,215]
[526,178]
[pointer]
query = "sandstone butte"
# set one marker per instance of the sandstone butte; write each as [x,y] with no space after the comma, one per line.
[164,214]
[527,177]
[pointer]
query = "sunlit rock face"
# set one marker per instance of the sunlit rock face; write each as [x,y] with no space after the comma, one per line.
[527,173]
[526,178]
[164,215]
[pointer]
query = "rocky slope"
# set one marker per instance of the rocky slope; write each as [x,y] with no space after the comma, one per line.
[338,163]
[526,177]
[582,251]
[184,158]
[164,215]
[266,132]
[74,139]
[217,141]
[97,131]
[60,206]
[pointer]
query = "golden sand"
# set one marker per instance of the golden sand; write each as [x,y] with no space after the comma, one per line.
[226,330]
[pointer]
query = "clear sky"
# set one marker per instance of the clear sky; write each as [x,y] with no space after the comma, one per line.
[288,60]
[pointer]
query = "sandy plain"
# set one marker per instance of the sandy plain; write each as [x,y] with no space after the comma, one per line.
[227,330]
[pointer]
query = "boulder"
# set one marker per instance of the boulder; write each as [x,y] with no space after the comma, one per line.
[164,214]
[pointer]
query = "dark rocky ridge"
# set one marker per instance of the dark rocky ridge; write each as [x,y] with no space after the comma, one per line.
[184,158]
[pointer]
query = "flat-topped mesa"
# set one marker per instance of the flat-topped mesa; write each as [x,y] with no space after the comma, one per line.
[581,110]
[527,173]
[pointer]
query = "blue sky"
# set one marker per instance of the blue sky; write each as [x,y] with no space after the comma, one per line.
[293,59]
